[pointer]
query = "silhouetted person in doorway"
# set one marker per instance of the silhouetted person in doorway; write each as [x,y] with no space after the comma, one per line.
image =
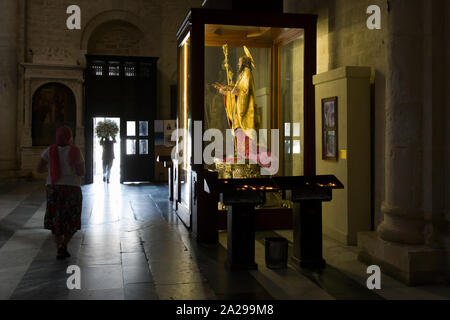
[107,156]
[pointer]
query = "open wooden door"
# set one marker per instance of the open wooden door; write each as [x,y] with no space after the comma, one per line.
[137,163]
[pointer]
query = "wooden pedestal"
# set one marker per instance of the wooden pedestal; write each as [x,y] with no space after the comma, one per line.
[241,229]
[241,237]
[308,251]
[204,208]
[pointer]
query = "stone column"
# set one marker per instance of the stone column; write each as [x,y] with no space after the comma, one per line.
[398,246]
[8,83]
[446,88]
[80,116]
[403,205]
[26,140]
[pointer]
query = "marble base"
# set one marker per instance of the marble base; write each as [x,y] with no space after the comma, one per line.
[411,264]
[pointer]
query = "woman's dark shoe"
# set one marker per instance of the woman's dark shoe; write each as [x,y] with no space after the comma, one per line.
[66,252]
[62,253]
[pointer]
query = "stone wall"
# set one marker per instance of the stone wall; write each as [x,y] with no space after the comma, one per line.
[8,83]
[35,32]
[410,60]
[446,105]
[343,39]
[436,119]
[51,42]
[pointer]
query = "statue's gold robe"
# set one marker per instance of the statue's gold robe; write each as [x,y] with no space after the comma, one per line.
[241,104]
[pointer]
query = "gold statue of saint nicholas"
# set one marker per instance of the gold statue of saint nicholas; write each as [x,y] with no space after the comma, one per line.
[241,108]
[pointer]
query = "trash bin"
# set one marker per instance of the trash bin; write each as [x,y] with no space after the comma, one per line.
[276,252]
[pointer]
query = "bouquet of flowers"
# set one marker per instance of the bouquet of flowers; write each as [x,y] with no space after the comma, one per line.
[107,128]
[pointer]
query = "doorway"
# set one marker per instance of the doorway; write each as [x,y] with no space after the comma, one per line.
[97,164]
[122,88]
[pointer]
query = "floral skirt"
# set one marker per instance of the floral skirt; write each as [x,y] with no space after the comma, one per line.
[63,214]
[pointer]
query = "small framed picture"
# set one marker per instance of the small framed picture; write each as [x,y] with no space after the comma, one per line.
[329,129]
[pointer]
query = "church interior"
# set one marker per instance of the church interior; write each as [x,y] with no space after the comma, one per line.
[261,150]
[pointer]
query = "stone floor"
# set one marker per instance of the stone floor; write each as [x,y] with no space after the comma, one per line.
[133,246]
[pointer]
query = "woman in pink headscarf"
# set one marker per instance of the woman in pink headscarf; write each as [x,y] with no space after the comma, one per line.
[65,166]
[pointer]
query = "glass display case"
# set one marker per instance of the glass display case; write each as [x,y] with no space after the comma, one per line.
[244,85]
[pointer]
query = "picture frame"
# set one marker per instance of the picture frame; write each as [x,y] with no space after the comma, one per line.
[330,129]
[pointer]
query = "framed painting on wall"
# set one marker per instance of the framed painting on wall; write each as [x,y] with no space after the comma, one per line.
[329,129]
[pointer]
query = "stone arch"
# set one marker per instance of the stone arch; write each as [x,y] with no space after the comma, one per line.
[100,22]
[53,105]
[116,37]
[71,84]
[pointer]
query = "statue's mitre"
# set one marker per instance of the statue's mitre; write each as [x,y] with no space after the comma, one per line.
[247,53]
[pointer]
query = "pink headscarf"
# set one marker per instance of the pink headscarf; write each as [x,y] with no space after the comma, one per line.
[63,138]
